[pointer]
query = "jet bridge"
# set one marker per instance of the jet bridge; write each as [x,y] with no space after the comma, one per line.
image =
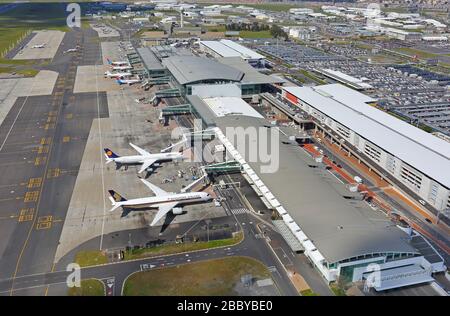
[168,93]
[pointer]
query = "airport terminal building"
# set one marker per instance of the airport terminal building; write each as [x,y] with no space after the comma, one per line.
[335,228]
[192,74]
[397,151]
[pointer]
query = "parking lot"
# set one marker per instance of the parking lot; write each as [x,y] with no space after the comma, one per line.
[418,95]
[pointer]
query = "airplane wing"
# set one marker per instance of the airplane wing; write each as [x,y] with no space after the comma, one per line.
[140,150]
[158,191]
[163,210]
[147,163]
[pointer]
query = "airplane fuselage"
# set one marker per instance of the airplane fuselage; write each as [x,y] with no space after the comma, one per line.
[181,198]
[140,159]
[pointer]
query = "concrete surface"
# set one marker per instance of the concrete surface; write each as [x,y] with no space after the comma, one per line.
[51,39]
[11,89]
[88,214]
[91,79]
[105,31]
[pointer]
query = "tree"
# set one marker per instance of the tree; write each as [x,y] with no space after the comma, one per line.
[278,32]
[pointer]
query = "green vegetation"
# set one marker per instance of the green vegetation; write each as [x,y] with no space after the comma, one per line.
[216,28]
[182,247]
[312,76]
[308,292]
[413,51]
[338,291]
[278,32]
[213,278]
[87,258]
[90,287]
[250,34]
[19,22]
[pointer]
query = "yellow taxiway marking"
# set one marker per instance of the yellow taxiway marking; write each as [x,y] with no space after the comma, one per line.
[49,126]
[51,119]
[26,215]
[69,116]
[53,173]
[43,149]
[44,222]
[34,183]
[31,196]
[40,160]
[46,140]
[66,139]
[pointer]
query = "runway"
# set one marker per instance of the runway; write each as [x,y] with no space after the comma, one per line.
[43,141]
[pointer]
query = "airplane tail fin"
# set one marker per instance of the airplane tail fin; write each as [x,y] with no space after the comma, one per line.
[109,61]
[119,81]
[110,154]
[116,197]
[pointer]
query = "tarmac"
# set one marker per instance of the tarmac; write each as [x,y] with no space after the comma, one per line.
[105,31]
[51,39]
[88,215]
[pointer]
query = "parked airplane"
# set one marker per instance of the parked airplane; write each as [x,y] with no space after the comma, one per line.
[128,81]
[145,158]
[117,75]
[164,201]
[128,67]
[38,46]
[70,50]
[117,63]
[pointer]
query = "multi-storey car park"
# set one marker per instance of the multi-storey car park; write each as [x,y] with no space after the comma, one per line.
[418,160]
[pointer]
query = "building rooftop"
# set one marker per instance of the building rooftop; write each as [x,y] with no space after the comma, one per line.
[221,49]
[190,69]
[149,59]
[251,75]
[246,53]
[226,106]
[421,150]
[340,228]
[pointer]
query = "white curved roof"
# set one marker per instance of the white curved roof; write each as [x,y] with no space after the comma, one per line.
[419,149]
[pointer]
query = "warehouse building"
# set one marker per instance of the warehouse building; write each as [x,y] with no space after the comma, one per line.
[406,156]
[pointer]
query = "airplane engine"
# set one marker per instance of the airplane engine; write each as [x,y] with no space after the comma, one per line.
[177,210]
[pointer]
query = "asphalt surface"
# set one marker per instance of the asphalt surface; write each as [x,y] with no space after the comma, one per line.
[43,141]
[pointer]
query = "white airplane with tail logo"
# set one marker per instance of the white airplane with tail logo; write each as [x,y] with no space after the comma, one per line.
[117,75]
[145,158]
[117,63]
[164,201]
[128,81]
